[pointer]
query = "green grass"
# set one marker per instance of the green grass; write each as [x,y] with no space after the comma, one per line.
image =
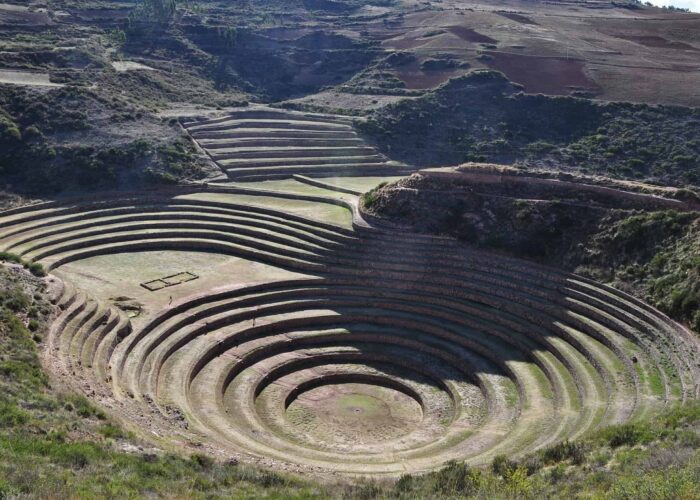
[511,393]
[370,198]
[367,403]
[543,383]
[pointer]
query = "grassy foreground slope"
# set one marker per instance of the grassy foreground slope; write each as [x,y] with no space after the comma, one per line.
[55,444]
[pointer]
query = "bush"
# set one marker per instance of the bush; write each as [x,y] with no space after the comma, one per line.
[456,478]
[81,406]
[158,177]
[36,269]
[369,199]
[76,455]
[627,435]
[12,416]
[202,461]
[404,484]
[111,431]
[567,450]
[501,465]
[364,490]
[4,489]
[14,299]
[10,257]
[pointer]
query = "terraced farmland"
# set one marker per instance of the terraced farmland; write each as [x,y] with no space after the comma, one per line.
[266,143]
[331,344]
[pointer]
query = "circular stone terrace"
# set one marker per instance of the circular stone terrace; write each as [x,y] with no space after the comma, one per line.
[282,328]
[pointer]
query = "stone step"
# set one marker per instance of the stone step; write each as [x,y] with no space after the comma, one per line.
[267,114]
[258,133]
[265,143]
[276,124]
[291,152]
[324,160]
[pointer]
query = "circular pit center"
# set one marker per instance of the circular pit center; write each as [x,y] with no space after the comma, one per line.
[354,413]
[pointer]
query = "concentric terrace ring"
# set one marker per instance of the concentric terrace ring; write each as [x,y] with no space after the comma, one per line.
[393,353]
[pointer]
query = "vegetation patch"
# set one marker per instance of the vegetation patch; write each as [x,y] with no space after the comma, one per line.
[76,139]
[653,254]
[484,117]
[34,267]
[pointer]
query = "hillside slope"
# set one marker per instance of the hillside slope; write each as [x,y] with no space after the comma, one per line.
[647,247]
[484,117]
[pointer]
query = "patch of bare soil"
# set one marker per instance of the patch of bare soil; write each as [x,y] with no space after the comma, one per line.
[27,78]
[130,66]
[658,42]
[469,35]
[547,75]
[13,17]
[415,78]
[405,42]
[518,17]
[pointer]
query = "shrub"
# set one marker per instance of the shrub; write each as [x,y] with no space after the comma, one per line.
[33,132]
[111,431]
[9,132]
[501,465]
[532,464]
[158,177]
[81,406]
[14,299]
[404,483]
[369,199]
[456,478]
[36,269]
[575,451]
[12,416]
[629,434]
[76,455]
[517,483]
[10,257]
[686,194]
[364,490]
[539,147]
[670,483]
[202,461]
